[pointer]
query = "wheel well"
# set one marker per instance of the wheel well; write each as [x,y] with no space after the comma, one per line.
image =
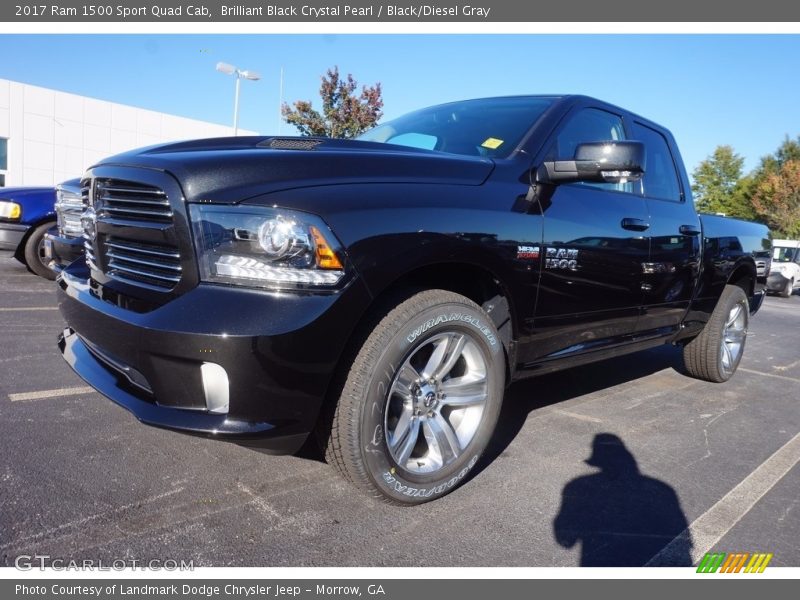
[744,276]
[476,283]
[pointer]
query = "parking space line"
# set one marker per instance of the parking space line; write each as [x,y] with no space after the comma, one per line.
[29,308]
[710,527]
[578,416]
[754,372]
[786,367]
[41,395]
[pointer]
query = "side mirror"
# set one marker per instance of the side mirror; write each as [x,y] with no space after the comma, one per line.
[597,162]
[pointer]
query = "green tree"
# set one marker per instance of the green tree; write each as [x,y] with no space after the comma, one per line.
[345,112]
[772,163]
[719,186]
[776,199]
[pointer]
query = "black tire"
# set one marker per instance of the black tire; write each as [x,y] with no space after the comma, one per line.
[34,252]
[787,290]
[357,440]
[706,357]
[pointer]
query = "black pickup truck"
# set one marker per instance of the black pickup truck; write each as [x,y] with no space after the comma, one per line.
[383,292]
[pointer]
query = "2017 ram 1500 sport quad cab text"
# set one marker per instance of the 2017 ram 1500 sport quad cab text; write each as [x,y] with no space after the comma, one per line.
[383,292]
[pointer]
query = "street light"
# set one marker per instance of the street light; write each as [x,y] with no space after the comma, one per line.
[238,74]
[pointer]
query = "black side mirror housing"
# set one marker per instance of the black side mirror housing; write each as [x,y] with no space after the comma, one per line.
[597,162]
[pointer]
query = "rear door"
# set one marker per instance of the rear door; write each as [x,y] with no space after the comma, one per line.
[672,270]
[595,241]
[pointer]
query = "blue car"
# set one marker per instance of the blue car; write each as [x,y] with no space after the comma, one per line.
[26,215]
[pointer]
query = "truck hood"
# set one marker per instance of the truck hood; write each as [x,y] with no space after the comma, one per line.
[230,170]
[20,193]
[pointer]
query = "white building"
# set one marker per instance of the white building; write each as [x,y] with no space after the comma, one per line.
[48,136]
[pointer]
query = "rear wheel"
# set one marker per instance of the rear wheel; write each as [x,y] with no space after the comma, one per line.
[714,355]
[34,252]
[421,400]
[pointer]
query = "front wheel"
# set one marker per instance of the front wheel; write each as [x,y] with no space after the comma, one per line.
[35,259]
[787,289]
[421,400]
[714,355]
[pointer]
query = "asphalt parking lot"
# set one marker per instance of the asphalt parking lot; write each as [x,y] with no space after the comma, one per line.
[679,468]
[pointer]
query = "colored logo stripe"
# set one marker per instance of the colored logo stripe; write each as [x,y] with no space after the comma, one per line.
[711,562]
[758,563]
[734,562]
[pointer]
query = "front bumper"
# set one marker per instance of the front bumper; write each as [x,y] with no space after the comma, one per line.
[776,281]
[278,352]
[62,251]
[11,235]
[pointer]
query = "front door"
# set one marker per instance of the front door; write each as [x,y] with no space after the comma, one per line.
[595,241]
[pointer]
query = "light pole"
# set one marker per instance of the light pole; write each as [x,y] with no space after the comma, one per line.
[238,74]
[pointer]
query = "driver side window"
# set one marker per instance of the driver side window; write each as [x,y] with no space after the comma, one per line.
[589,125]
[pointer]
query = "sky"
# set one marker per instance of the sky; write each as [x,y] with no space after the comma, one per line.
[713,89]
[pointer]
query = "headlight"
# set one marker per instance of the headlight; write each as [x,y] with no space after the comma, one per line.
[69,206]
[265,247]
[10,210]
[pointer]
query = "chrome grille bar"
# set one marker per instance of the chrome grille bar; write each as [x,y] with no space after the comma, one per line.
[143,262]
[126,269]
[136,212]
[134,247]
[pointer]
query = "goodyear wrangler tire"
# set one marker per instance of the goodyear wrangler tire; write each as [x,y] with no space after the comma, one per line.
[714,355]
[421,400]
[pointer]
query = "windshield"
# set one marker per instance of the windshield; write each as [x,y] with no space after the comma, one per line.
[782,254]
[490,127]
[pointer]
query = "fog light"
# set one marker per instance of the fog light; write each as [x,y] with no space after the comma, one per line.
[215,388]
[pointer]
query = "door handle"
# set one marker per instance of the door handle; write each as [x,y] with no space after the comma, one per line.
[635,224]
[689,230]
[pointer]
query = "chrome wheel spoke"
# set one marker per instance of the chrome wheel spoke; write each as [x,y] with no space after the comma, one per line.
[455,346]
[444,356]
[735,313]
[406,446]
[401,429]
[404,382]
[727,357]
[441,438]
[734,336]
[436,358]
[464,391]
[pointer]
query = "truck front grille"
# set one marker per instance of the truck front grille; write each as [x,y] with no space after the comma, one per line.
[135,233]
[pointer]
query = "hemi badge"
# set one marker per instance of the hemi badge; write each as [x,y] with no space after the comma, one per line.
[527,252]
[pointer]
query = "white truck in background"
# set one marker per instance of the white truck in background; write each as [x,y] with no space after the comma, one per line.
[784,274]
